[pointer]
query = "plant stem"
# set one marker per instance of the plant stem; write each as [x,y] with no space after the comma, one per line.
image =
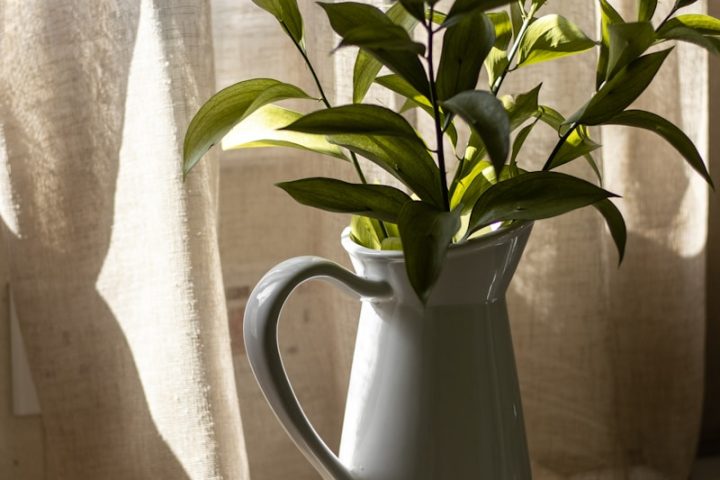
[513,51]
[559,146]
[325,100]
[669,16]
[436,114]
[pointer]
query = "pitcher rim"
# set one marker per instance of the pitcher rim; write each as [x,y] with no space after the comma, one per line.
[498,237]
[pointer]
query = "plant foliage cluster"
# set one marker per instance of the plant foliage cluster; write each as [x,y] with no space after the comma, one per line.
[488,186]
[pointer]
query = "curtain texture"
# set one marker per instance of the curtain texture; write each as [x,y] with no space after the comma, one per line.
[121,273]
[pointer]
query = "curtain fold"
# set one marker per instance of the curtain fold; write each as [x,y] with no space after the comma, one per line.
[114,261]
[130,285]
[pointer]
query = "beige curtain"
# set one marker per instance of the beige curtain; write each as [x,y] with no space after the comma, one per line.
[115,264]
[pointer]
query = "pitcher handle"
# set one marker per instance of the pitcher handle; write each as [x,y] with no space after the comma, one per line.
[260,330]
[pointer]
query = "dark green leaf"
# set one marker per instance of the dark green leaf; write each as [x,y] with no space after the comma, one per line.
[627,42]
[488,119]
[551,37]
[346,16]
[615,223]
[533,196]
[646,10]
[671,133]
[620,91]
[608,16]
[366,66]
[260,129]
[363,119]
[416,8]
[227,108]
[683,3]
[426,234]
[465,46]
[376,201]
[462,8]
[288,14]
[390,37]
[407,160]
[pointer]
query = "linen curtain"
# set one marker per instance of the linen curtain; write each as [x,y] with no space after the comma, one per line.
[121,272]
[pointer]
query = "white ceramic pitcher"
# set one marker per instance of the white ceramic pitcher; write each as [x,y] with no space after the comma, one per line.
[433,389]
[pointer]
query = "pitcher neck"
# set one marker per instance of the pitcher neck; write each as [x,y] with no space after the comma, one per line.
[475,272]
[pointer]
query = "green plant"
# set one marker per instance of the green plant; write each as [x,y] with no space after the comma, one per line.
[488,186]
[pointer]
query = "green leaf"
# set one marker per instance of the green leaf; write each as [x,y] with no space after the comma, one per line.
[683,3]
[346,16]
[288,14]
[357,118]
[671,133]
[551,37]
[496,63]
[520,139]
[377,201]
[608,16]
[465,46]
[627,42]
[390,37]
[577,145]
[488,119]
[469,188]
[405,159]
[685,34]
[366,232]
[533,196]
[415,99]
[615,223]
[367,67]
[704,24]
[516,17]
[463,8]
[228,107]
[522,107]
[416,8]
[261,129]
[646,10]
[426,234]
[503,28]
[620,91]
